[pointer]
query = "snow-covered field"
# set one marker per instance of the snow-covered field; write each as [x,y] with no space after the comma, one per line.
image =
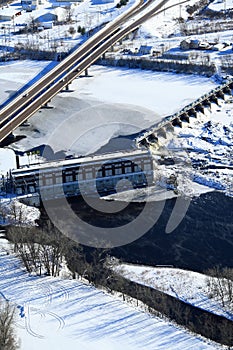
[7,160]
[188,286]
[55,313]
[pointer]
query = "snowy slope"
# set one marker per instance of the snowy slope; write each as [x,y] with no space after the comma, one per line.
[67,314]
[188,286]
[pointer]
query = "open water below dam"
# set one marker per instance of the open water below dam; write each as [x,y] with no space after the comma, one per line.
[203,239]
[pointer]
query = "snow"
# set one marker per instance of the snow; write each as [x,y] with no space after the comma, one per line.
[53,313]
[86,14]
[134,101]
[144,88]
[94,112]
[13,212]
[7,160]
[14,75]
[220,5]
[188,286]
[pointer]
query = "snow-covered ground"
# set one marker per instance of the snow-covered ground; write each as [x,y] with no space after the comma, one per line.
[188,286]
[7,161]
[13,212]
[209,144]
[162,93]
[220,5]
[55,313]
[88,14]
[162,31]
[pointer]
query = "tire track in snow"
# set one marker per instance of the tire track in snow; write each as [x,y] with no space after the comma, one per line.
[28,325]
[57,317]
[61,292]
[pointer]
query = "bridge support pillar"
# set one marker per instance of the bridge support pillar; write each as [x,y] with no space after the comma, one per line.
[86,72]
[8,140]
[214,99]
[67,87]
[161,133]
[46,105]
[103,56]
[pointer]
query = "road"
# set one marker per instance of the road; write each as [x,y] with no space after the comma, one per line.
[42,91]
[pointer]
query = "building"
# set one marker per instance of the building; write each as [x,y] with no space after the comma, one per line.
[218,47]
[31,5]
[46,17]
[145,50]
[85,175]
[189,44]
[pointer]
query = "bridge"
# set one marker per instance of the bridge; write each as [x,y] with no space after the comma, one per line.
[41,92]
[158,134]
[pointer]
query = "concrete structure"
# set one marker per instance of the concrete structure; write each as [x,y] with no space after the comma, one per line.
[160,133]
[85,175]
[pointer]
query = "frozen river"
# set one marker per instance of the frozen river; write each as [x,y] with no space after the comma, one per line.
[108,103]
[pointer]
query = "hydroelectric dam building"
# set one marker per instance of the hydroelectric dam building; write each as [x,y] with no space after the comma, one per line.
[84,175]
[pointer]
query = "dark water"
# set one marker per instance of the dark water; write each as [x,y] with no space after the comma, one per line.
[203,239]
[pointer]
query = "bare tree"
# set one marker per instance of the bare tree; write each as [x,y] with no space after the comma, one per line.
[8,340]
[69,14]
[40,250]
[220,285]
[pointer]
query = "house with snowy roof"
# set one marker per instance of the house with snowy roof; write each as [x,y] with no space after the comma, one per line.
[145,50]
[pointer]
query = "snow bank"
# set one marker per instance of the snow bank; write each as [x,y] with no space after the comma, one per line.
[188,286]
